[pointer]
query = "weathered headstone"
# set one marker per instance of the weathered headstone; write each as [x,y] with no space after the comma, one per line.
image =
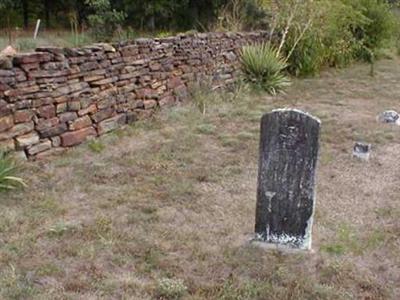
[289,147]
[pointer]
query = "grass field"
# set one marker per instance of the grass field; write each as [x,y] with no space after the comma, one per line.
[23,41]
[164,209]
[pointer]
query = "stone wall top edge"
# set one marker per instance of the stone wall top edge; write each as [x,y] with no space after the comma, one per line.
[86,50]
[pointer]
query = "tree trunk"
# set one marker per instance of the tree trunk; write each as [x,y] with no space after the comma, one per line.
[46,5]
[25,13]
[80,11]
[151,23]
[194,12]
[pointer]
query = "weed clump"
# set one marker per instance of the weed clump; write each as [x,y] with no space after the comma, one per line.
[171,288]
[8,174]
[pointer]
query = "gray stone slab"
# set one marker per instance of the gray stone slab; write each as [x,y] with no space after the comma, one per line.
[362,150]
[289,146]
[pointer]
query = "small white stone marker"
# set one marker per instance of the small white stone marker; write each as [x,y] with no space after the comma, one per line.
[362,150]
[390,117]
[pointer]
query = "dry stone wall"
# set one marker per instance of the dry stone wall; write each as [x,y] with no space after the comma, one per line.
[55,98]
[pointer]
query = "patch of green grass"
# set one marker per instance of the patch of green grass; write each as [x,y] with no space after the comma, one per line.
[245,135]
[229,141]
[144,215]
[375,239]
[333,248]
[47,206]
[15,285]
[152,260]
[250,289]
[26,44]
[326,156]
[49,269]
[181,190]
[59,229]
[347,241]
[207,129]
[387,212]
[96,146]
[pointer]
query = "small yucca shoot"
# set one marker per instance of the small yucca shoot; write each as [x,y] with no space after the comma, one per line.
[8,178]
[263,66]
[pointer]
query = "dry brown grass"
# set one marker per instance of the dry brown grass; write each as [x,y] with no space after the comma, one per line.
[174,197]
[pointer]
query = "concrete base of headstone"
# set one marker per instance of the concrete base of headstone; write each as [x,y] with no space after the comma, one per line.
[279,247]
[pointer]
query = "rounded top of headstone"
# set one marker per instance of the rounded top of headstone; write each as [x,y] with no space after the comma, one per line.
[295,111]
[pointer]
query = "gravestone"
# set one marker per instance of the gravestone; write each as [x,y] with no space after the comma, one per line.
[289,147]
[362,150]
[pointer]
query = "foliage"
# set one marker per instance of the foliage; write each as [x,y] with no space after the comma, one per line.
[331,33]
[96,146]
[263,67]
[329,41]
[8,171]
[203,94]
[239,15]
[171,288]
[104,21]
[379,28]
[26,44]
[5,3]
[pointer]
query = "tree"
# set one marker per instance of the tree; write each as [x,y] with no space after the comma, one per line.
[104,20]
[5,6]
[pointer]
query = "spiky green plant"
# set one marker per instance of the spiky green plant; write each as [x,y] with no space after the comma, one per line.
[263,67]
[8,171]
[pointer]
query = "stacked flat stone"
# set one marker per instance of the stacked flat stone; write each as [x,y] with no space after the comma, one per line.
[55,98]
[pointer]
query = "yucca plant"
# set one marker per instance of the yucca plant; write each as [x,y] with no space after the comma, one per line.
[263,67]
[8,170]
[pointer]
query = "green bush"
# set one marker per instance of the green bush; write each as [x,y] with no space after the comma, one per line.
[104,21]
[263,67]
[8,171]
[379,28]
[330,41]
[308,56]
[342,31]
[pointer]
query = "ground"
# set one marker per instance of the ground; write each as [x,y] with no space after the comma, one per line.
[164,209]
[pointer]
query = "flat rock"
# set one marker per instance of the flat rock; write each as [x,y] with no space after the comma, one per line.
[8,51]
[362,150]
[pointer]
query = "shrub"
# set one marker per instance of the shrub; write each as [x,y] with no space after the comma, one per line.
[239,15]
[329,41]
[380,25]
[308,56]
[263,67]
[104,21]
[8,171]
[331,33]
